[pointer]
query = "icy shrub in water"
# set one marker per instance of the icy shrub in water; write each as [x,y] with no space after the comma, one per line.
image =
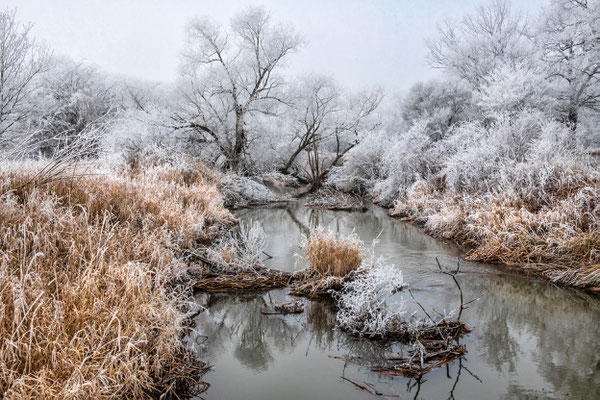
[240,250]
[363,302]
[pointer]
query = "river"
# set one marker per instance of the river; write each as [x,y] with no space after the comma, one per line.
[529,340]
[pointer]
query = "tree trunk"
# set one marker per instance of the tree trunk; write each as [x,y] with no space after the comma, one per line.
[290,161]
[239,147]
[573,117]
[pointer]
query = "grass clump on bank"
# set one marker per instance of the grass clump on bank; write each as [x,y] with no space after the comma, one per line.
[332,258]
[332,254]
[91,300]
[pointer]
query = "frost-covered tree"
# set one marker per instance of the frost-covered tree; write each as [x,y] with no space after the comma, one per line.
[516,87]
[363,164]
[326,122]
[228,75]
[21,61]
[317,101]
[480,42]
[73,98]
[570,38]
[441,103]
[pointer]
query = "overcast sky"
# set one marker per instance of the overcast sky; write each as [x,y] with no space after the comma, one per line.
[360,42]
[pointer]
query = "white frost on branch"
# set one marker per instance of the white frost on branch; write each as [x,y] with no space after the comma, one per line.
[365,306]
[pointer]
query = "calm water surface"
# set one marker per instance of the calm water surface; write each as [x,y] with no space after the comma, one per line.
[530,340]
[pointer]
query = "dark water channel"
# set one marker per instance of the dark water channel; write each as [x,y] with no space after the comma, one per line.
[530,340]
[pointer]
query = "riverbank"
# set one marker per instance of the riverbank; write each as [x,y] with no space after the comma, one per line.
[95,298]
[558,240]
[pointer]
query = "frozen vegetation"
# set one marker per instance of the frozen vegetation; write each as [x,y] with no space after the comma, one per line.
[243,191]
[241,249]
[364,302]
[92,283]
[494,155]
[369,295]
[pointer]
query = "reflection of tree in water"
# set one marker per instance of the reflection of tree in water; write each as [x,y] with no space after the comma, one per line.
[235,324]
[305,229]
[518,392]
[320,320]
[235,321]
[501,346]
[253,349]
[564,347]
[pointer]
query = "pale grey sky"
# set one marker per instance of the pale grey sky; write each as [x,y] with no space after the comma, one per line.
[360,42]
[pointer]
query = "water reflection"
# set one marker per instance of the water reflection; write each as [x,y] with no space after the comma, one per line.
[529,340]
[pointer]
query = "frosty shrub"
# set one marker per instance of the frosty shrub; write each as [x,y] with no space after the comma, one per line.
[363,302]
[511,88]
[362,166]
[406,161]
[136,134]
[526,154]
[241,191]
[241,249]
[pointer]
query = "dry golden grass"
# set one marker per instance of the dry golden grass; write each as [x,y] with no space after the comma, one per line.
[331,254]
[89,301]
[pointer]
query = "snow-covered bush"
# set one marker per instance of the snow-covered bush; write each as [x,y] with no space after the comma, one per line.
[72,99]
[133,134]
[526,154]
[362,166]
[364,302]
[512,88]
[240,249]
[406,161]
[241,191]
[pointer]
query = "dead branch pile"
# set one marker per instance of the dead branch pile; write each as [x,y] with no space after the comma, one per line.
[421,361]
[319,287]
[331,199]
[243,281]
